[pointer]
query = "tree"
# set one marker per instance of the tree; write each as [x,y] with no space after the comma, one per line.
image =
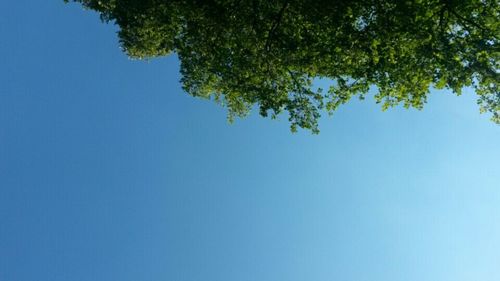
[246,53]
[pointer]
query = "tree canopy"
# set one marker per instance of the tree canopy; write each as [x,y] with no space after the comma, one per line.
[267,54]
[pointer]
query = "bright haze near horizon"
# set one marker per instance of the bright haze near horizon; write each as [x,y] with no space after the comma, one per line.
[108,171]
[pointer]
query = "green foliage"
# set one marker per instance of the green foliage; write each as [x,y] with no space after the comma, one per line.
[243,53]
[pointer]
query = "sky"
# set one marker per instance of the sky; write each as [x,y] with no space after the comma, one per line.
[109,171]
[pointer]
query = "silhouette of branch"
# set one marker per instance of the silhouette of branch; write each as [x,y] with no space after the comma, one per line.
[275,25]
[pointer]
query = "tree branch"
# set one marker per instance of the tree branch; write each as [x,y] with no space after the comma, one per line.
[275,25]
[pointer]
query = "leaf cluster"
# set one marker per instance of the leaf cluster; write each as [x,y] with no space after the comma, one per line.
[247,53]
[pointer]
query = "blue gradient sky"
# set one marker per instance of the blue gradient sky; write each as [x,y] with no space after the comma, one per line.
[108,171]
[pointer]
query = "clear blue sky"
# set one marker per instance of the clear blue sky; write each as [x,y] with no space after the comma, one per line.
[108,171]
